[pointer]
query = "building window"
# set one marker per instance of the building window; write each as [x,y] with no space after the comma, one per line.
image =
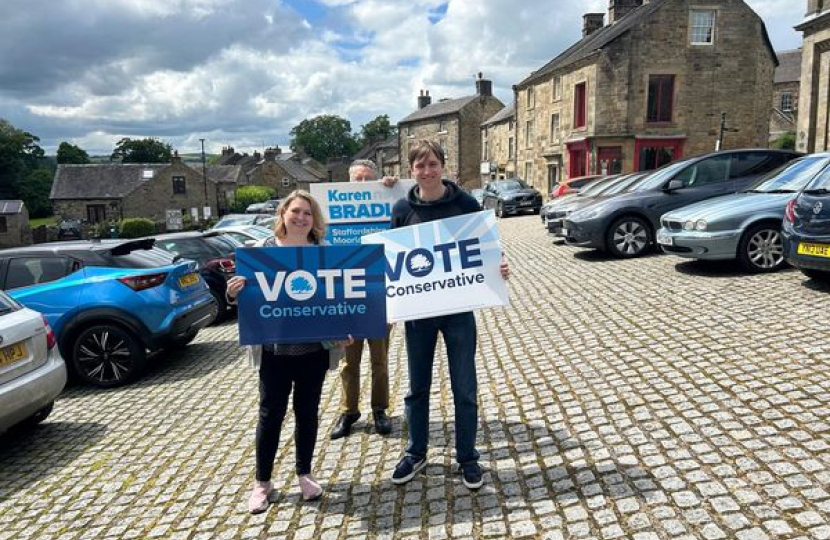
[579,106]
[529,134]
[406,131]
[554,127]
[609,159]
[660,98]
[510,147]
[510,125]
[531,97]
[702,27]
[442,126]
[528,172]
[485,150]
[179,186]
[557,88]
[786,102]
[286,182]
[4,226]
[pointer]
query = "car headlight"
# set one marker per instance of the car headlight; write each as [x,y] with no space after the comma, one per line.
[689,225]
[701,225]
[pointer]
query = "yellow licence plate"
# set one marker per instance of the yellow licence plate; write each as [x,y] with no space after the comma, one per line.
[189,279]
[816,250]
[12,353]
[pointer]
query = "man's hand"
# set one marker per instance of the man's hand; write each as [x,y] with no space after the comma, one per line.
[389,181]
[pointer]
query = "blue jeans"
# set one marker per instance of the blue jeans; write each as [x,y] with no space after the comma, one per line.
[459,331]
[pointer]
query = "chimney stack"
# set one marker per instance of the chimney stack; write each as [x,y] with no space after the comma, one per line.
[617,9]
[424,100]
[484,87]
[591,22]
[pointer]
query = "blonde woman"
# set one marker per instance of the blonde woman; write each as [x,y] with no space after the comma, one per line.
[300,367]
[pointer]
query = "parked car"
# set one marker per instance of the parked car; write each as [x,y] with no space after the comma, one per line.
[625,225]
[32,371]
[109,301]
[745,226]
[69,228]
[806,228]
[589,188]
[247,235]
[601,189]
[478,195]
[215,253]
[241,219]
[511,196]
[572,185]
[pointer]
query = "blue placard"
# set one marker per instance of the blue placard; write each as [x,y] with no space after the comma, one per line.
[308,294]
[347,234]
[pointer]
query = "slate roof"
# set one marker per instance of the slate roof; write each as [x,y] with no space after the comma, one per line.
[11,207]
[117,180]
[506,113]
[594,42]
[789,66]
[368,151]
[441,108]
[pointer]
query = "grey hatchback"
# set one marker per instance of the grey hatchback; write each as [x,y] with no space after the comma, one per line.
[625,225]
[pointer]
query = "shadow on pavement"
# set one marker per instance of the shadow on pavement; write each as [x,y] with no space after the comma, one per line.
[716,269]
[29,455]
[596,255]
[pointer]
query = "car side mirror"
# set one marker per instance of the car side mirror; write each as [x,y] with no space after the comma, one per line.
[674,184]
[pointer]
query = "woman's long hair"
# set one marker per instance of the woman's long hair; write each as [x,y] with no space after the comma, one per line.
[318,228]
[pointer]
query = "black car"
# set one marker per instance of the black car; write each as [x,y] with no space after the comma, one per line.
[511,197]
[806,228]
[69,228]
[625,225]
[213,251]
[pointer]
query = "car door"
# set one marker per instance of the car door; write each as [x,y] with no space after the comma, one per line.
[703,179]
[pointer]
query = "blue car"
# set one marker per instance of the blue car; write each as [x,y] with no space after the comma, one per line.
[109,302]
[806,228]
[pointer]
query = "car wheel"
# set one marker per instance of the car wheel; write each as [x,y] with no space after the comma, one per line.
[221,306]
[499,209]
[818,275]
[36,418]
[761,249]
[107,355]
[628,237]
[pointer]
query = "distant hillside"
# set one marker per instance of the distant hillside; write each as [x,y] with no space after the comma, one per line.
[191,159]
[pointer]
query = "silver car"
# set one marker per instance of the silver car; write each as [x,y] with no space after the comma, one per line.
[32,372]
[744,226]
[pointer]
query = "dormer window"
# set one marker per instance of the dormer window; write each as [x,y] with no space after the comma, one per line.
[702,27]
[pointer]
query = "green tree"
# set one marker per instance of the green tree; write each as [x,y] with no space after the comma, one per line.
[19,153]
[325,136]
[69,153]
[34,191]
[377,130]
[147,150]
[251,194]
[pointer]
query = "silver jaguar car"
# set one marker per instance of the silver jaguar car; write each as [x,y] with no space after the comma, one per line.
[745,226]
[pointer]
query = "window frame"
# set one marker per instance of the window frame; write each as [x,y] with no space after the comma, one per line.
[581,105]
[554,133]
[531,97]
[179,185]
[286,182]
[660,79]
[789,96]
[529,133]
[711,27]
[556,88]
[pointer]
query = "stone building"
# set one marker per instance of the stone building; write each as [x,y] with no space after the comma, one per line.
[111,192]
[14,224]
[813,128]
[785,94]
[498,144]
[283,172]
[645,89]
[456,125]
[384,154]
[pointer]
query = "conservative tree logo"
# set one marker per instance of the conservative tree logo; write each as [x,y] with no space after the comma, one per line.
[419,265]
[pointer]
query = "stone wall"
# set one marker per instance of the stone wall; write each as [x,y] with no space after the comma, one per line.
[272,174]
[813,105]
[17,232]
[472,115]
[498,137]
[153,199]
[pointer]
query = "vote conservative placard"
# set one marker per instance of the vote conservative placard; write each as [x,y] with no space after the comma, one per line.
[442,267]
[308,294]
[353,209]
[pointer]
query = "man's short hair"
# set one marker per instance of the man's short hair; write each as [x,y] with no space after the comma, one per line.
[423,148]
[356,164]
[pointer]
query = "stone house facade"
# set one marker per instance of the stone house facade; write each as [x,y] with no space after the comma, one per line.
[111,192]
[456,125]
[384,154]
[785,93]
[647,88]
[15,230]
[283,172]
[813,126]
[498,144]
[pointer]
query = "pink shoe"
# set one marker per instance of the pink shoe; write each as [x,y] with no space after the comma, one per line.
[258,502]
[310,488]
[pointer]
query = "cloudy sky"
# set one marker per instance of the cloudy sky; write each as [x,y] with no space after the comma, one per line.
[244,72]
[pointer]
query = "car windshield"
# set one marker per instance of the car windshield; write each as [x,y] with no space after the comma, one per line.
[598,186]
[630,184]
[790,177]
[235,220]
[223,243]
[7,305]
[259,232]
[510,185]
[659,177]
[190,248]
[820,185]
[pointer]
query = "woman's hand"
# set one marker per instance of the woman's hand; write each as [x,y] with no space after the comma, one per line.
[505,270]
[235,285]
[343,343]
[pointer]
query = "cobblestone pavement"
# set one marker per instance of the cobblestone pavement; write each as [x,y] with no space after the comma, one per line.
[645,399]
